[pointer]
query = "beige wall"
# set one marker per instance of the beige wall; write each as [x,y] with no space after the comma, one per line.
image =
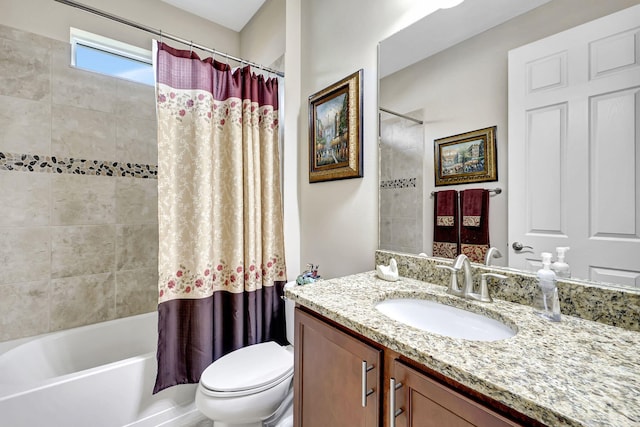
[339,219]
[52,19]
[291,166]
[262,40]
[465,88]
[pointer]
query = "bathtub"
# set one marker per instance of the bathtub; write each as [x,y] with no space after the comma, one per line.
[95,375]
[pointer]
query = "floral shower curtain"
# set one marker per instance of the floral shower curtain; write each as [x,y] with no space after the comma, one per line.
[221,253]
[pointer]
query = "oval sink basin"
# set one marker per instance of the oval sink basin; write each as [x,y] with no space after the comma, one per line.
[444,319]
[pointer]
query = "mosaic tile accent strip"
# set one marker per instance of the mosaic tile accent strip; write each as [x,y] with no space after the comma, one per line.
[53,164]
[399,183]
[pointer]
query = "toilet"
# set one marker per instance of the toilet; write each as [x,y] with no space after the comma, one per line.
[251,386]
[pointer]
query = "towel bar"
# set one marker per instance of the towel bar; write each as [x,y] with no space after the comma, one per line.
[495,190]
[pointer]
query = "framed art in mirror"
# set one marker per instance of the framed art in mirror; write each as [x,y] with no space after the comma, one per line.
[466,158]
[335,131]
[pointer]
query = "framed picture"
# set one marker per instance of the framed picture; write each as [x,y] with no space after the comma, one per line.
[335,131]
[465,158]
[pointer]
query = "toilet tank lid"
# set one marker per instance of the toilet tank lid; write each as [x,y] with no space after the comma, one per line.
[248,368]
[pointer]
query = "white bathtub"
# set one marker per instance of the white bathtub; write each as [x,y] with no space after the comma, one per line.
[95,375]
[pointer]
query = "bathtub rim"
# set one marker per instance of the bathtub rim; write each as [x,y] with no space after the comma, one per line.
[10,390]
[8,345]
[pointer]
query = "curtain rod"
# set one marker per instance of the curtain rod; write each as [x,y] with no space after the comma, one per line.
[162,35]
[420,122]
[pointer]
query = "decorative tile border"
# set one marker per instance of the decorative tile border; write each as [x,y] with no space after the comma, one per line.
[53,164]
[399,183]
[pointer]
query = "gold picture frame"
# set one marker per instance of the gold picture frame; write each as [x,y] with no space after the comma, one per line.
[466,158]
[335,131]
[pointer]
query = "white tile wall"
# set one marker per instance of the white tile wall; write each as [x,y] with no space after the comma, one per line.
[401,190]
[78,241]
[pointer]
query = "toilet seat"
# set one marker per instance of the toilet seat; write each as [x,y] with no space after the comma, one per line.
[248,370]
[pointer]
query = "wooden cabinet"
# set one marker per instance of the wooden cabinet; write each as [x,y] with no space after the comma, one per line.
[336,377]
[419,401]
[342,379]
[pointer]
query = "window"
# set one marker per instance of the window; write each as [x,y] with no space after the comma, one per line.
[111,57]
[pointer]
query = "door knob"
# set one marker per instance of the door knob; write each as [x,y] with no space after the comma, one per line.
[517,246]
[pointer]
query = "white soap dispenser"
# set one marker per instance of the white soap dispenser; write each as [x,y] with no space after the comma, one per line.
[548,305]
[560,267]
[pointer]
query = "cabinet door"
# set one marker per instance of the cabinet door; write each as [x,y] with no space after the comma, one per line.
[423,402]
[337,377]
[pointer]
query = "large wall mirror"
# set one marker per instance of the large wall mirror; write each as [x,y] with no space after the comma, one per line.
[447,74]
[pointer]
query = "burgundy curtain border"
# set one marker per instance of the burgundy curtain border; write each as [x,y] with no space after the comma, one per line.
[177,366]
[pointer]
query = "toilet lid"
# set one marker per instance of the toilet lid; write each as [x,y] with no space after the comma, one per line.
[249,368]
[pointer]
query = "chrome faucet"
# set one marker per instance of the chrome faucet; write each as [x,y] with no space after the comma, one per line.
[491,253]
[463,264]
[460,264]
[453,289]
[484,296]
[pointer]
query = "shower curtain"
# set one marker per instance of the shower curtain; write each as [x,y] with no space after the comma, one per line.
[221,251]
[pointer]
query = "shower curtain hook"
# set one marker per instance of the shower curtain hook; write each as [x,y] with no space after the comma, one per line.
[160,36]
[190,47]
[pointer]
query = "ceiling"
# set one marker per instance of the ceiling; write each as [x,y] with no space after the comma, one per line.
[445,28]
[227,13]
[428,36]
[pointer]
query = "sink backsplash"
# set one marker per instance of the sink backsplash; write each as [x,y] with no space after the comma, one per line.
[587,300]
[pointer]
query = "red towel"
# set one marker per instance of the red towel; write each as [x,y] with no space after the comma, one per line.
[445,224]
[474,233]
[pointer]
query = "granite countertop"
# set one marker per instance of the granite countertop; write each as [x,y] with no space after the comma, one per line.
[572,373]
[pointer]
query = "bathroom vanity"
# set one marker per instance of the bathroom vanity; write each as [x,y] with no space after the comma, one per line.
[342,395]
[356,366]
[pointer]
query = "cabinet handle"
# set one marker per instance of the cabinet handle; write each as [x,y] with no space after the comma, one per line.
[365,390]
[393,413]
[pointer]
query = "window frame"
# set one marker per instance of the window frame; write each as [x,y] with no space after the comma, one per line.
[109,46]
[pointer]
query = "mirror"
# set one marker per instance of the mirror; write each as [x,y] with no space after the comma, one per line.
[449,71]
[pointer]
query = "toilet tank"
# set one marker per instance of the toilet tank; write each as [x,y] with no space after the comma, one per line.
[289,306]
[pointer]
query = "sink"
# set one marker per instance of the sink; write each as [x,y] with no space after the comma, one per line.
[444,319]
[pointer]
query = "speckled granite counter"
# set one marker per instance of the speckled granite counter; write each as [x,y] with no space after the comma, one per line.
[572,373]
[588,300]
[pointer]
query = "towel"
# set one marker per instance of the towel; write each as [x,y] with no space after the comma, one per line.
[474,233]
[445,224]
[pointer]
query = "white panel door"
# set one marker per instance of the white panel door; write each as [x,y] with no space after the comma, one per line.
[574,149]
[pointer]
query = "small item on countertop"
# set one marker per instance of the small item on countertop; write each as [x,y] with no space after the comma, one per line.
[555,308]
[309,276]
[547,306]
[388,272]
[560,267]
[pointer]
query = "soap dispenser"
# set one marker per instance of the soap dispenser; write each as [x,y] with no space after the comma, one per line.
[560,267]
[548,304]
